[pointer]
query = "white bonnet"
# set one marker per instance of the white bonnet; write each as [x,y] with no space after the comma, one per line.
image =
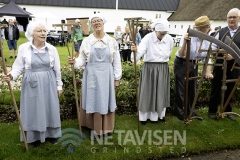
[30,28]
[98,15]
[161,24]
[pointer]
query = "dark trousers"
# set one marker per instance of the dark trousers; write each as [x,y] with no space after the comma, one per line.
[126,55]
[216,85]
[179,76]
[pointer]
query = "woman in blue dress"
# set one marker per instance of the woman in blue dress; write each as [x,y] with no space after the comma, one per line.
[99,54]
[41,86]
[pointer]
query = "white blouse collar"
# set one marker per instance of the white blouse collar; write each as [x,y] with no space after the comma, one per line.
[93,39]
[46,45]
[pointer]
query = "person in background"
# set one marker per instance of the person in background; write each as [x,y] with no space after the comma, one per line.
[77,37]
[154,83]
[149,26]
[215,31]
[12,35]
[41,86]
[138,38]
[118,37]
[144,30]
[2,38]
[99,54]
[126,45]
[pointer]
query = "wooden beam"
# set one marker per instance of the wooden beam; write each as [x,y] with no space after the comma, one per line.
[134,18]
[3,25]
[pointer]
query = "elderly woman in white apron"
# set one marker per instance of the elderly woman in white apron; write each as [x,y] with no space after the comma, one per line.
[154,86]
[41,86]
[99,53]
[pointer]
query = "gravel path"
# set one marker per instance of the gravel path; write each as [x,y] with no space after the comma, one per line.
[216,155]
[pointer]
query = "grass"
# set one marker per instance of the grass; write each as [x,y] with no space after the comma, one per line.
[201,137]
[62,51]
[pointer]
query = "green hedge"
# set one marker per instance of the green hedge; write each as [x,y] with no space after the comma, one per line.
[126,92]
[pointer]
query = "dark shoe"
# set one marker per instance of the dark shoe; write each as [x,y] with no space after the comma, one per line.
[180,117]
[153,122]
[162,120]
[11,57]
[34,144]
[195,115]
[52,140]
[15,56]
[143,122]
[231,117]
[5,60]
[212,116]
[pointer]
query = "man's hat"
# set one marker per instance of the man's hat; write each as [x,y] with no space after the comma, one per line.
[202,21]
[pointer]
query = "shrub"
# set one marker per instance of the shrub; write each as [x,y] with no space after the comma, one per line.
[125,93]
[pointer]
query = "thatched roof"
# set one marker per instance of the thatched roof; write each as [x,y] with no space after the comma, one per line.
[189,10]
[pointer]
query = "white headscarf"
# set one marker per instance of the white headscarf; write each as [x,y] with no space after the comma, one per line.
[99,16]
[30,28]
[161,24]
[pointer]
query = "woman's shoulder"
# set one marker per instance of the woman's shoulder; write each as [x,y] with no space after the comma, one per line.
[87,39]
[25,45]
[111,39]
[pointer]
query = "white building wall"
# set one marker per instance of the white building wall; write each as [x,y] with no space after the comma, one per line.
[181,27]
[114,17]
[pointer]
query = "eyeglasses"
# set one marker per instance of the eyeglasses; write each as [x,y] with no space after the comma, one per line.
[232,17]
[96,21]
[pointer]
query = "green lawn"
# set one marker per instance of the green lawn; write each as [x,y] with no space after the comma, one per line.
[201,137]
[62,51]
